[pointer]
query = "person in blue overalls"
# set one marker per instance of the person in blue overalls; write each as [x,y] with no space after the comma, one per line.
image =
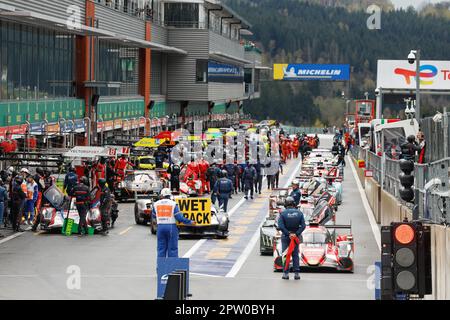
[292,224]
[167,214]
[223,189]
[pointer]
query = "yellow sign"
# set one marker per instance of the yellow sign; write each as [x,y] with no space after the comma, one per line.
[278,71]
[151,142]
[196,209]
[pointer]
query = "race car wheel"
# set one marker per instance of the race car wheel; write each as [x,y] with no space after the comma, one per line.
[137,218]
[153,228]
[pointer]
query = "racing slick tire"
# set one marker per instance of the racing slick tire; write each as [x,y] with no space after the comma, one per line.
[153,228]
[139,221]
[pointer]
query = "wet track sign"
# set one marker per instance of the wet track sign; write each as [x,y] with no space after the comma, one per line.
[196,209]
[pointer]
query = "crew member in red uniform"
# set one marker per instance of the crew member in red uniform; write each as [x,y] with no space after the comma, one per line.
[121,166]
[203,167]
[295,147]
[285,149]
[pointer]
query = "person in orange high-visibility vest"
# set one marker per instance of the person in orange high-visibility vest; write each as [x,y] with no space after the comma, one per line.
[166,213]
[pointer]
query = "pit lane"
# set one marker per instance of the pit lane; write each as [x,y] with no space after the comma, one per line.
[123,265]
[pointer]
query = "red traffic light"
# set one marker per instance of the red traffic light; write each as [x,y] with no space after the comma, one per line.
[404,234]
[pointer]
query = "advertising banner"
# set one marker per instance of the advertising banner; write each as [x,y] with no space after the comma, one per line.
[166,266]
[226,73]
[399,74]
[309,72]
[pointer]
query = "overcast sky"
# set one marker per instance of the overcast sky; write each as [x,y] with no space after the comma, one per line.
[416,3]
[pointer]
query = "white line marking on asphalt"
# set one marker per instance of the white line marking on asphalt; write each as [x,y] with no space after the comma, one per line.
[125,231]
[13,236]
[199,243]
[368,209]
[248,250]
[203,275]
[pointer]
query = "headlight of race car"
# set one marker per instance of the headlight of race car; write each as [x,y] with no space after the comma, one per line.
[48,213]
[95,214]
[344,249]
[223,220]
[155,185]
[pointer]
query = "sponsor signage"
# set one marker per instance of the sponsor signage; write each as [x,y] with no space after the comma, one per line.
[368,173]
[37,128]
[309,72]
[221,72]
[166,266]
[399,74]
[80,125]
[196,209]
[88,152]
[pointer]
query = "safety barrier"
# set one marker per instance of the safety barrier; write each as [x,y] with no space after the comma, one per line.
[386,173]
[372,189]
[440,260]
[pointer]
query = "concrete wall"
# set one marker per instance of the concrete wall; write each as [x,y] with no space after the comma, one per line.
[390,209]
[360,173]
[440,262]
[372,189]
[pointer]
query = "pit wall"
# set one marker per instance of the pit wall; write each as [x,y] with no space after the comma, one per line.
[386,209]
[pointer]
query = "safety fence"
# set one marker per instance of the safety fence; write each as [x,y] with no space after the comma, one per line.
[431,184]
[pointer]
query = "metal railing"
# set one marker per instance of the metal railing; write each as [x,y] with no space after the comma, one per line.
[432,201]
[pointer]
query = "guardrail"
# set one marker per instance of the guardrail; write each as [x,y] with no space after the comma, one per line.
[432,202]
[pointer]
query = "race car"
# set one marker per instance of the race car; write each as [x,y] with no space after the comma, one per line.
[141,182]
[60,207]
[321,212]
[149,163]
[320,249]
[143,209]
[217,227]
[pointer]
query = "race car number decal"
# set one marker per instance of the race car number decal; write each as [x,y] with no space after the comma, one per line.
[196,209]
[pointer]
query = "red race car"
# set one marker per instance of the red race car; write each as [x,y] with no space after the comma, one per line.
[320,249]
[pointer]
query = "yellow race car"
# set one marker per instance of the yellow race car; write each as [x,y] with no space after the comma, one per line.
[149,163]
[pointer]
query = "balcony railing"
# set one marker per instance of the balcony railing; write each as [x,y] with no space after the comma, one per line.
[136,8]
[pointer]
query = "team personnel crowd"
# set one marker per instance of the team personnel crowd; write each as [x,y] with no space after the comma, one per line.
[22,190]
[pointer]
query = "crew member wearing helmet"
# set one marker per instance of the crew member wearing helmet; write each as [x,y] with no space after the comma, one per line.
[105,204]
[296,193]
[82,201]
[292,224]
[223,189]
[167,214]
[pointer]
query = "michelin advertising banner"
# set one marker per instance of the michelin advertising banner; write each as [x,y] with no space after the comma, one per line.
[309,72]
[399,74]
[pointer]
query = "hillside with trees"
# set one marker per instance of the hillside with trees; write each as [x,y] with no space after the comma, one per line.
[323,31]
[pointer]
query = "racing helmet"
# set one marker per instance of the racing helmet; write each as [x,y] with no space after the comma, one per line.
[224,174]
[411,139]
[290,202]
[166,193]
[296,183]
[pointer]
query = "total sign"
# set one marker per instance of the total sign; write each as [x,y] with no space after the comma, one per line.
[399,74]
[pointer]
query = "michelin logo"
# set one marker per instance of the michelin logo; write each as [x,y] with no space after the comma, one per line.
[308,73]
